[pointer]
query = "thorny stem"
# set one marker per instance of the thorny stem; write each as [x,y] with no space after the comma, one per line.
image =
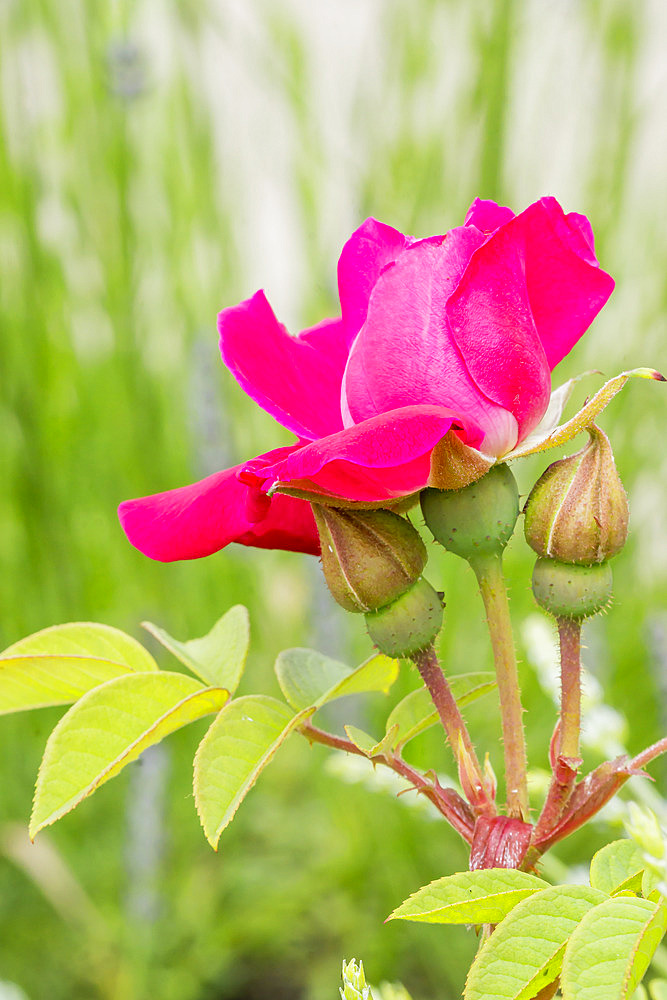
[569,634]
[447,801]
[426,661]
[489,573]
[565,753]
[592,793]
[646,756]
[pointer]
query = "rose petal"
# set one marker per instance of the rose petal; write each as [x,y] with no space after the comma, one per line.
[491,323]
[404,352]
[386,457]
[295,379]
[566,286]
[487,216]
[367,252]
[200,519]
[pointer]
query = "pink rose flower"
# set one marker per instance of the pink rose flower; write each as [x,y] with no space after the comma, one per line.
[439,365]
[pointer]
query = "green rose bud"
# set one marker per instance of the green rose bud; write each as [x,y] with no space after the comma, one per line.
[577,512]
[477,520]
[408,624]
[369,557]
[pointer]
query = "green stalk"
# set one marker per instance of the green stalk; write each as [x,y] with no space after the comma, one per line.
[489,572]
[569,634]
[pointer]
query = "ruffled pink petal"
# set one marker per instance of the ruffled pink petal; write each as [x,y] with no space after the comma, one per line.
[487,216]
[365,255]
[380,459]
[295,379]
[404,353]
[580,222]
[198,520]
[566,286]
[491,322]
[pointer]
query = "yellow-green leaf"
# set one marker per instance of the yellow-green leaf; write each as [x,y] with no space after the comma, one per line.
[611,949]
[368,744]
[309,679]
[616,865]
[109,727]
[218,657]
[415,713]
[58,664]
[237,747]
[480,897]
[525,952]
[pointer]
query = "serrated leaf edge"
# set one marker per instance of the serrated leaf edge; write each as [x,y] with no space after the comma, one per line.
[94,785]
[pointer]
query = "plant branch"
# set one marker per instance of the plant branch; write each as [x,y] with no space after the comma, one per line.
[470,772]
[489,573]
[446,800]
[569,634]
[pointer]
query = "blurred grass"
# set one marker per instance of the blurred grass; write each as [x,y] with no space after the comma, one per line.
[157,162]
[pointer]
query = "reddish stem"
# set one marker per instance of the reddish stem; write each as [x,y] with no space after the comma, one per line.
[470,772]
[447,801]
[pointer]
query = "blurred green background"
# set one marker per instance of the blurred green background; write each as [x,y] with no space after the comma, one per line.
[158,161]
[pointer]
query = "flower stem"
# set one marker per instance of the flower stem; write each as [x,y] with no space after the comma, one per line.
[569,634]
[470,772]
[489,572]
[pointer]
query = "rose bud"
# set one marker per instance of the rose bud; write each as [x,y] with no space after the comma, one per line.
[577,512]
[477,520]
[369,557]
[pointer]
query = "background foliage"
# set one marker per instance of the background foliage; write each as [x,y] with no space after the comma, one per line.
[157,162]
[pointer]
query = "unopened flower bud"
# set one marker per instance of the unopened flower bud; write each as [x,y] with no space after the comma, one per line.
[369,557]
[577,511]
[570,590]
[409,623]
[477,520]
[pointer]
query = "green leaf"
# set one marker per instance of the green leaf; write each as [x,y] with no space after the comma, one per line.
[109,727]
[479,897]
[658,989]
[218,657]
[415,713]
[237,747]
[615,865]
[309,679]
[59,664]
[525,952]
[611,949]
[650,881]
[368,744]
